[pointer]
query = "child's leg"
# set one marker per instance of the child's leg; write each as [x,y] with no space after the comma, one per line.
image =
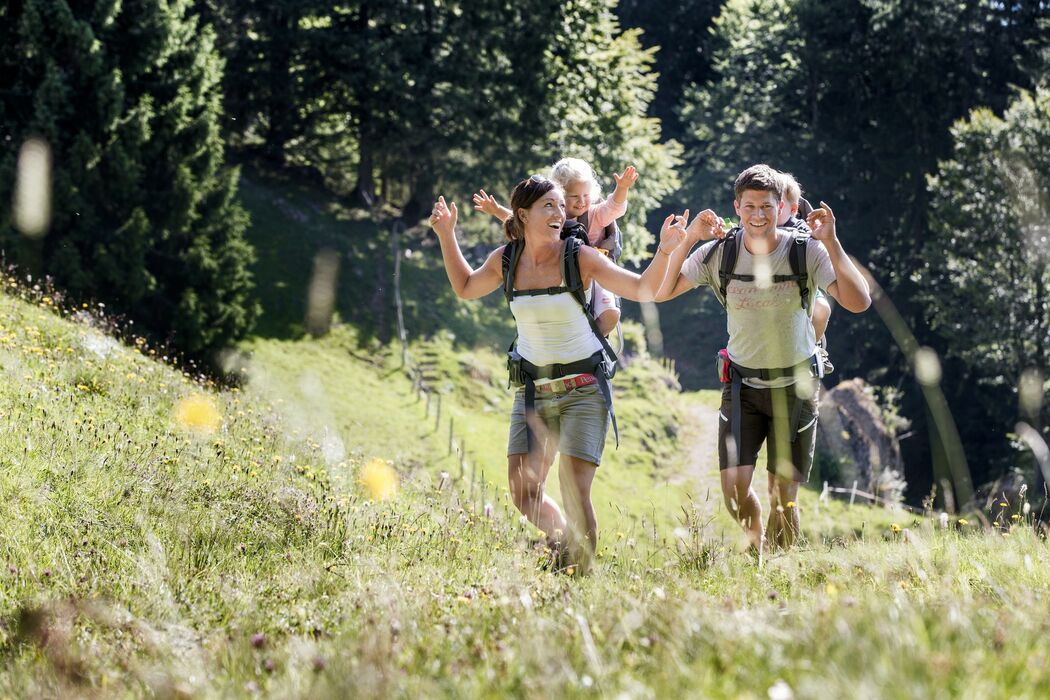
[607,321]
[606,312]
[821,316]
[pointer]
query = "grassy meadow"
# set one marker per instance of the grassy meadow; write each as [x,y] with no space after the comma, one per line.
[312,532]
[164,537]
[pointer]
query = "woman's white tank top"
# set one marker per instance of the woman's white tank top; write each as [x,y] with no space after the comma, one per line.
[552,328]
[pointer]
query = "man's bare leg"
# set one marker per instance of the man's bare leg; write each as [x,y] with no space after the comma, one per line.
[785,523]
[742,501]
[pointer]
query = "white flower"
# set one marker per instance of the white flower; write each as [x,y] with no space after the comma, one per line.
[780,691]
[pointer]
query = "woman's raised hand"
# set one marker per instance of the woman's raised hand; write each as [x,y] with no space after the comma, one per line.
[443,218]
[486,203]
[673,232]
[705,227]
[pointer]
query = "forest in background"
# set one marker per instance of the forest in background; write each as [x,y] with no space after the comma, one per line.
[925,125]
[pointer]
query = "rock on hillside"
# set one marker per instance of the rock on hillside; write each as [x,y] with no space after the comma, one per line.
[854,443]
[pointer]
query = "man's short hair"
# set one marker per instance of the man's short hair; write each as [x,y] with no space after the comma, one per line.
[759,177]
[792,190]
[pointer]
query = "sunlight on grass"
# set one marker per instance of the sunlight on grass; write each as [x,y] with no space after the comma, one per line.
[140,558]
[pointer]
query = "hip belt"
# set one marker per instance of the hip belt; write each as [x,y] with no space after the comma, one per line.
[524,373]
[734,375]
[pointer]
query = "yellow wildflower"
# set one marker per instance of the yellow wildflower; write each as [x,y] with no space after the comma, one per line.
[964,521]
[198,413]
[379,479]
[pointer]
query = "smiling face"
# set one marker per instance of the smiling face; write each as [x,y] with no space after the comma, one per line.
[545,215]
[758,211]
[577,198]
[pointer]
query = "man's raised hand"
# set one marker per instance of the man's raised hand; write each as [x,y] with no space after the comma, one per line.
[821,223]
[443,218]
[705,227]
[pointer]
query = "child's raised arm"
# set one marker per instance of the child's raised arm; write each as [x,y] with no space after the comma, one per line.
[624,180]
[485,202]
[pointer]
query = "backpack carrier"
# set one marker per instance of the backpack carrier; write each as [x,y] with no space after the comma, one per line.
[611,243]
[601,364]
[734,374]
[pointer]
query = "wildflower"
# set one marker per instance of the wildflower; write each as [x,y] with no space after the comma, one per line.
[943,519]
[896,528]
[1015,516]
[964,521]
[832,590]
[1004,504]
[379,479]
[198,413]
[790,504]
[780,691]
[1026,508]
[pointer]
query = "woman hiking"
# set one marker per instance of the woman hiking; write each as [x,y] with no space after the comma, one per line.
[564,404]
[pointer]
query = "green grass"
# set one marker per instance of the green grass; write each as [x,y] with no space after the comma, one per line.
[141,558]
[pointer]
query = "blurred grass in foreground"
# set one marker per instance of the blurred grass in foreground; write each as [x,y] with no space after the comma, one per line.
[141,557]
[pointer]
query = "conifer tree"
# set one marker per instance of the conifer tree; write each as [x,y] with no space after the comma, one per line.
[145,213]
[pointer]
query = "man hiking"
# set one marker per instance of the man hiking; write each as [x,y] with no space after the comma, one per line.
[765,278]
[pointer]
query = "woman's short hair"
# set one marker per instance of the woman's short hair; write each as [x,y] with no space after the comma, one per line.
[523,196]
[569,170]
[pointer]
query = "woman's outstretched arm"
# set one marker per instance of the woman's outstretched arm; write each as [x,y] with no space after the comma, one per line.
[628,284]
[466,282]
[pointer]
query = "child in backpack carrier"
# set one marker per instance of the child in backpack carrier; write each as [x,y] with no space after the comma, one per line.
[583,203]
[792,216]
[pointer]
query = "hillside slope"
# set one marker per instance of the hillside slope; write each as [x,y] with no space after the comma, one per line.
[165,538]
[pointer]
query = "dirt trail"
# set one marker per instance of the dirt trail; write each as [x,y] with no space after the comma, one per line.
[699,457]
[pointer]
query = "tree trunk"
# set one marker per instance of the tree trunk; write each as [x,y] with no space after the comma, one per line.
[281,110]
[364,192]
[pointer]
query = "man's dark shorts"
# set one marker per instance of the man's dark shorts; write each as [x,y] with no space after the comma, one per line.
[765,415]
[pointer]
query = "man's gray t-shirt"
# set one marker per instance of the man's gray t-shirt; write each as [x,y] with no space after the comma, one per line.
[768,328]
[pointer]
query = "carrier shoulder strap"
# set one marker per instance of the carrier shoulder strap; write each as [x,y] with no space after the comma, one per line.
[570,270]
[612,239]
[730,249]
[797,258]
[511,256]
